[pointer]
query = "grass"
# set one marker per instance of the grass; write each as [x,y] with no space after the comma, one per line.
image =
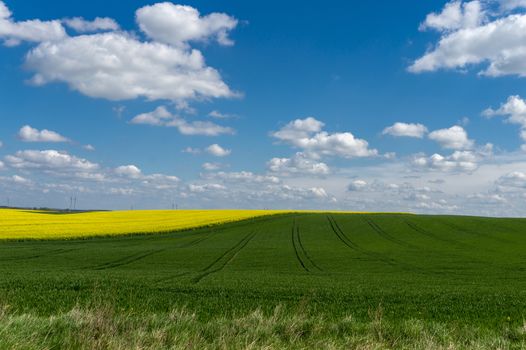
[105,328]
[297,280]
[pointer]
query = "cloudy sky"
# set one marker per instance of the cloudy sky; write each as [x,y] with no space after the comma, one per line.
[261,104]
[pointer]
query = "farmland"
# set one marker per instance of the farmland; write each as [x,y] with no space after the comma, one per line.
[287,280]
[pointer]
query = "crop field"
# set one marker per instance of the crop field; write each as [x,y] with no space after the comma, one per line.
[293,280]
[34,224]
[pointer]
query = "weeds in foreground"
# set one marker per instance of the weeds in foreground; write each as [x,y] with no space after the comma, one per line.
[105,328]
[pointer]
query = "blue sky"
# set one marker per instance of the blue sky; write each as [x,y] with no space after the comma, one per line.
[265,105]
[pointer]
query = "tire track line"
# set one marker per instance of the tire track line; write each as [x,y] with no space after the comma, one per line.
[349,243]
[424,232]
[343,237]
[225,258]
[302,248]
[381,232]
[293,236]
[126,260]
[41,255]
[473,233]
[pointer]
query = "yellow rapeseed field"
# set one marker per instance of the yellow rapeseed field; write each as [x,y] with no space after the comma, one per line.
[32,224]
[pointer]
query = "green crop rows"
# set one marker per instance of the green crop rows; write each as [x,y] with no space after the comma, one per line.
[454,270]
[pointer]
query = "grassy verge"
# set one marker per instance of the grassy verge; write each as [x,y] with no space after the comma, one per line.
[103,327]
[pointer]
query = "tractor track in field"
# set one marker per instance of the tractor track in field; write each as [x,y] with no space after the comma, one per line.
[141,255]
[126,260]
[53,252]
[299,250]
[349,243]
[224,259]
[382,233]
[345,240]
[431,235]
[474,233]
[195,241]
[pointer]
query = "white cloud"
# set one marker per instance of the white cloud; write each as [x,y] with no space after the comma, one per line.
[89,148]
[514,179]
[477,37]
[1,144]
[211,166]
[13,32]
[122,191]
[218,151]
[218,115]
[130,171]
[206,188]
[29,134]
[2,165]
[82,25]
[406,130]
[49,160]
[298,164]
[21,180]
[459,161]
[514,109]
[191,150]
[162,117]
[242,177]
[357,185]
[299,128]
[307,135]
[453,138]
[508,5]
[455,15]
[177,24]
[120,67]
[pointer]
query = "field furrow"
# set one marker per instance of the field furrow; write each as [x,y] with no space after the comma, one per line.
[223,260]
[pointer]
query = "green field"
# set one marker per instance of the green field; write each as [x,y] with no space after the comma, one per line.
[295,280]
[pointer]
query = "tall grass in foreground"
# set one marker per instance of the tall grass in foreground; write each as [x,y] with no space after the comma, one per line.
[106,328]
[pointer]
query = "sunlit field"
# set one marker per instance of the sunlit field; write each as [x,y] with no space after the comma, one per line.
[287,280]
[34,224]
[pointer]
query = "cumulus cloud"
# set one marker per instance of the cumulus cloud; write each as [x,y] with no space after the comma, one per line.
[29,134]
[21,180]
[242,177]
[515,179]
[218,151]
[459,161]
[455,15]
[89,147]
[131,171]
[191,150]
[218,115]
[13,32]
[49,160]
[508,5]
[453,138]
[162,117]
[299,164]
[206,188]
[177,24]
[307,135]
[120,67]
[406,130]
[357,185]
[211,166]
[82,25]
[514,110]
[477,36]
